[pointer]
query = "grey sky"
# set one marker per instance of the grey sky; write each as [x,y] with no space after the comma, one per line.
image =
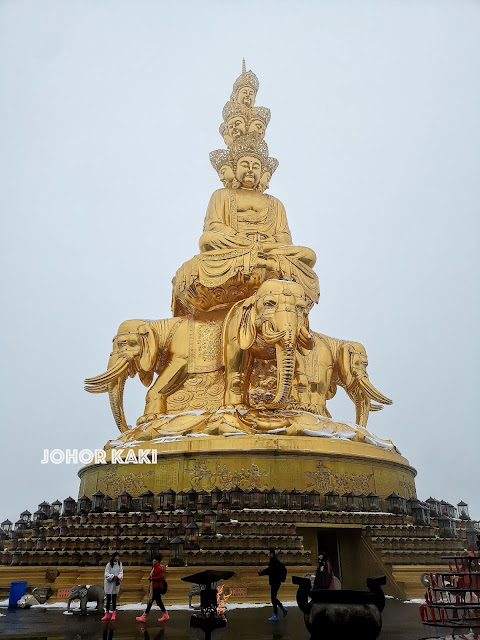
[107,113]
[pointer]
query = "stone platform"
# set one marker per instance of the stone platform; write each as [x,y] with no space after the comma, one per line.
[261,461]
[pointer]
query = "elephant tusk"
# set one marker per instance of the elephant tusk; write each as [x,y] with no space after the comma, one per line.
[97,389]
[373,392]
[271,336]
[376,407]
[111,374]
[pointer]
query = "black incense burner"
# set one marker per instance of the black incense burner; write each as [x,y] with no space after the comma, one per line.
[211,616]
[342,614]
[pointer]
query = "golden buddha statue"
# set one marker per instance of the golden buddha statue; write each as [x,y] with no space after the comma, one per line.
[245,240]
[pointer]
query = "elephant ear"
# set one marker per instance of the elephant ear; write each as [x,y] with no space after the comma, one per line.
[149,353]
[82,592]
[246,326]
[345,364]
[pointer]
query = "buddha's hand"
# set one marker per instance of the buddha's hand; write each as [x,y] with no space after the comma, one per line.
[269,245]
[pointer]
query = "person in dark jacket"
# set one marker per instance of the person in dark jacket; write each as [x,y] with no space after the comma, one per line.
[324,574]
[157,587]
[277,573]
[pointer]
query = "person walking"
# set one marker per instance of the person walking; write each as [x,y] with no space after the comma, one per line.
[158,586]
[324,578]
[113,577]
[277,573]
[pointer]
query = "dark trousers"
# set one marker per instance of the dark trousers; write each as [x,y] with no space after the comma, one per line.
[113,598]
[156,597]
[273,595]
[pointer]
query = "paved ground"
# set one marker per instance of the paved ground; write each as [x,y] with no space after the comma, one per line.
[400,622]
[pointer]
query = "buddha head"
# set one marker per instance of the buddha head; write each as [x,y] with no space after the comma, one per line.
[223,165]
[264,183]
[226,174]
[257,126]
[248,170]
[236,126]
[245,88]
[258,121]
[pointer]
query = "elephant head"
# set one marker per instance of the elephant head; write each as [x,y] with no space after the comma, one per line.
[78,592]
[352,375]
[277,315]
[135,350]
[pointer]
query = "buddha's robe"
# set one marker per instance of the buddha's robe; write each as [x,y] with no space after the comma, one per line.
[246,231]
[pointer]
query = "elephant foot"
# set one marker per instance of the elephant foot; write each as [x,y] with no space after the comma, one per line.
[298,406]
[148,417]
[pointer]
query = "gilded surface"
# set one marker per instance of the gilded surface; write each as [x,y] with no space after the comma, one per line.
[325,479]
[238,357]
[204,477]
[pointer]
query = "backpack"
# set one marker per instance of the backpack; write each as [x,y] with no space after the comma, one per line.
[282,572]
[164,587]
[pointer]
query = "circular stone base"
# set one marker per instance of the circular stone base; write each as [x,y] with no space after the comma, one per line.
[248,461]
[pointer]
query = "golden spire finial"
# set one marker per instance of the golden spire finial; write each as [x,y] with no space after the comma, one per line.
[244,67]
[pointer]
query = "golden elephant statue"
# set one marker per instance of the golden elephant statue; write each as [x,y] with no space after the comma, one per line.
[168,348]
[270,325]
[331,363]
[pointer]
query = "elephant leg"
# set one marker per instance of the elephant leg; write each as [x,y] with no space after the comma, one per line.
[235,376]
[167,382]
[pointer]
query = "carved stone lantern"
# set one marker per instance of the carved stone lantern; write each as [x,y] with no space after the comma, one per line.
[176,553]
[446,527]
[124,502]
[83,504]
[170,530]
[152,547]
[69,507]
[332,501]
[411,502]
[223,509]
[216,496]
[26,517]
[295,499]
[462,508]
[169,500]
[373,502]
[209,521]
[420,513]
[7,526]
[191,535]
[20,525]
[311,500]
[285,499]
[56,508]
[351,501]
[46,508]
[395,503]
[181,500]
[186,516]
[41,543]
[434,506]
[192,499]
[451,511]
[146,500]
[98,502]
[236,498]
[473,539]
[203,500]
[39,516]
[257,498]
[272,497]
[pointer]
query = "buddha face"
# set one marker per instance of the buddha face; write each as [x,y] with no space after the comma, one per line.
[265,180]
[226,174]
[248,171]
[246,96]
[236,127]
[257,126]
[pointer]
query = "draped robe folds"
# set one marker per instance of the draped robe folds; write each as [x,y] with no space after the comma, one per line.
[246,231]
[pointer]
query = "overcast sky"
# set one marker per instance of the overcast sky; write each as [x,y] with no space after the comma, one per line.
[108,111]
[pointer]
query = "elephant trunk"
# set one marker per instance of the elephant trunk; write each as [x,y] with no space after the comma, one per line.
[113,380]
[115,395]
[285,371]
[269,334]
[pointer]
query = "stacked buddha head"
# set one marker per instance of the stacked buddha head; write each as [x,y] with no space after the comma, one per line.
[243,129]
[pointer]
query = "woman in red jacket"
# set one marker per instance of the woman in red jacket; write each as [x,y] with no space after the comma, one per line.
[157,587]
